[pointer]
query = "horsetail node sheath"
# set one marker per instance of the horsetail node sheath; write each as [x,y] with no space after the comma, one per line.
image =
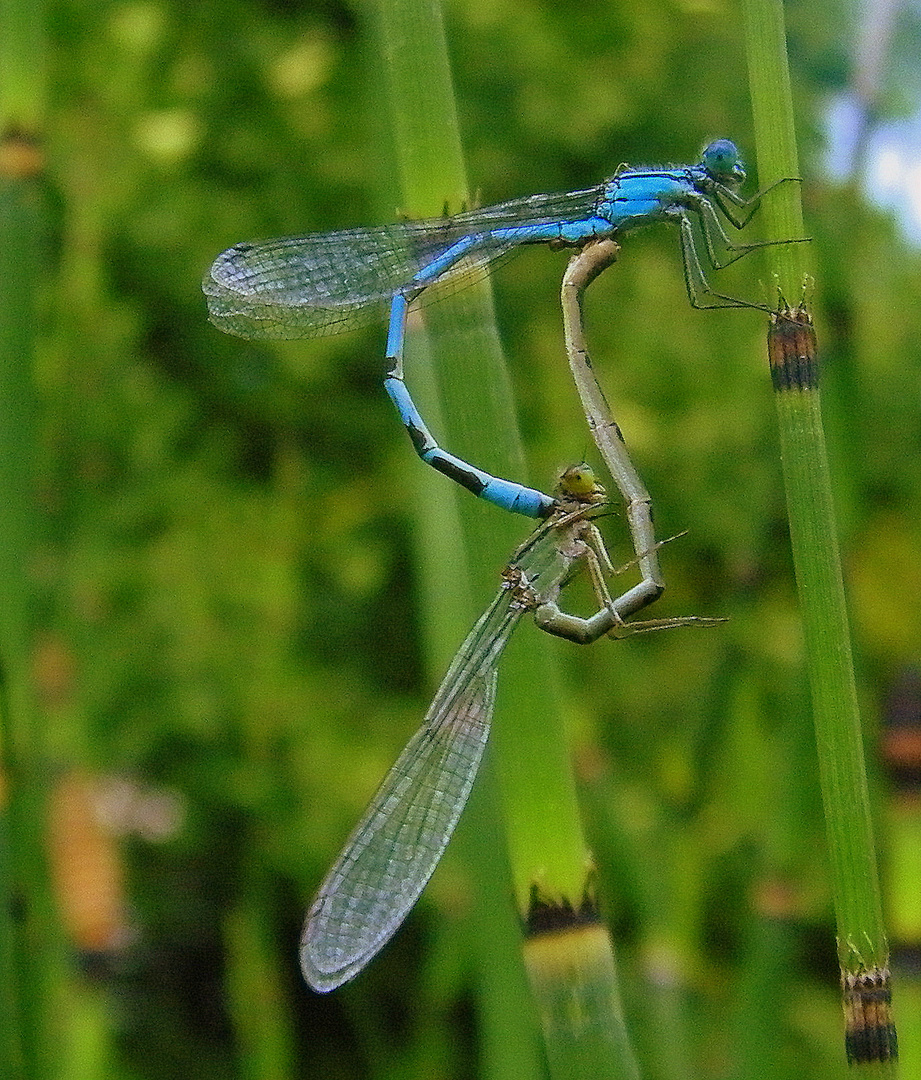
[307,286]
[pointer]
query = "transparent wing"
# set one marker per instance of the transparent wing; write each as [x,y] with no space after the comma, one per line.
[396,846]
[308,286]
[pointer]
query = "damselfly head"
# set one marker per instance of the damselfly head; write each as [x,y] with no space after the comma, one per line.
[578,482]
[722,162]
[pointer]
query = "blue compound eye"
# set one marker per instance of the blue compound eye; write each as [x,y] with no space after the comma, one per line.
[721,160]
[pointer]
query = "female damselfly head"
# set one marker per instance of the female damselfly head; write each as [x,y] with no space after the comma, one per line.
[578,484]
[722,162]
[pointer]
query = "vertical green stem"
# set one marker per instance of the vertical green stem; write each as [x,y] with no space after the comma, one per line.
[775,136]
[14,741]
[862,946]
[577,999]
[255,997]
[449,525]
[30,983]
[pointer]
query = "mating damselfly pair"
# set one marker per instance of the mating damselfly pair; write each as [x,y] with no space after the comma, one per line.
[306,286]
[313,285]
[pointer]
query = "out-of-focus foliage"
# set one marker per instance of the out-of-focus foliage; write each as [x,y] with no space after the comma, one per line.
[229,617]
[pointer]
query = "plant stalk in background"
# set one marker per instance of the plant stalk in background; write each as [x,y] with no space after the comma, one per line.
[863,952]
[572,973]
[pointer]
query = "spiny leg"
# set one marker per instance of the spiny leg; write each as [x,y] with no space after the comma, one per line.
[696,281]
[748,206]
[721,251]
[588,548]
[698,287]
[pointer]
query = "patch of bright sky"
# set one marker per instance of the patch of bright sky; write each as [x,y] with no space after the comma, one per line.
[887,154]
[892,160]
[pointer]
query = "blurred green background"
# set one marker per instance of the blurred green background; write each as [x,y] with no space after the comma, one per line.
[229,655]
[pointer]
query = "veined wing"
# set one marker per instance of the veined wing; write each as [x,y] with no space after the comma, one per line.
[527,210]
[308,286]
[396,846]
[323,283]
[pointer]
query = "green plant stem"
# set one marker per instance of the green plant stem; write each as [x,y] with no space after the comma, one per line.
[28,935]
[474,404]
[31,987]
[476,418]
[255,995]
[862,946]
